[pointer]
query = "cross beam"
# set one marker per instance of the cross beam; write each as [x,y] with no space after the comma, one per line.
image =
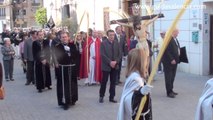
[147,17]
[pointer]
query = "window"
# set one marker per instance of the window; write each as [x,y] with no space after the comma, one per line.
[2,12]
[35,1]
[23,12]
[17,12]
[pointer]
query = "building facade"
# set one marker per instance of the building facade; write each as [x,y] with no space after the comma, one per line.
[196,31]
[24,12]
[5,15]
[18,13]
[60,10]
[196,25]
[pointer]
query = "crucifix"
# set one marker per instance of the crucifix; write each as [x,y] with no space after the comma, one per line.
[139,26]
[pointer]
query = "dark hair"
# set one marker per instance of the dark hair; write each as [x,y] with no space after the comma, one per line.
[33,32]
[63,32]
[40,31]
[82,32]
[108,31]
[136,21]
[117,27]
[50,36]
[90,30]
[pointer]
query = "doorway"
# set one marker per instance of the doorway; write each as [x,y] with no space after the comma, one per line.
[211,45]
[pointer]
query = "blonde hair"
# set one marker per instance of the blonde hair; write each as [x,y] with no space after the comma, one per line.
[137,62]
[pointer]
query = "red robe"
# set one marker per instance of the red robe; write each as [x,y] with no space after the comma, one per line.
[84,65]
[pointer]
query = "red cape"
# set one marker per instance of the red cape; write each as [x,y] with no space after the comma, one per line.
[84,65]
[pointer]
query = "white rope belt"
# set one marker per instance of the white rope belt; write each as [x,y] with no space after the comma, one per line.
[62,73]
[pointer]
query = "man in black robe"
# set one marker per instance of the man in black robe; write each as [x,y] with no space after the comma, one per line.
[65,60]
[42,67]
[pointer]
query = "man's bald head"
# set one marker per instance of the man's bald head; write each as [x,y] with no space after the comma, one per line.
[95,34]
[175,32]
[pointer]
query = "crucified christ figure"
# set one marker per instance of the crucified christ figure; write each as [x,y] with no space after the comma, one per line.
[139,28]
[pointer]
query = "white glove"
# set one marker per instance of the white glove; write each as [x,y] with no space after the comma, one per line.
[66,48]
[146,89]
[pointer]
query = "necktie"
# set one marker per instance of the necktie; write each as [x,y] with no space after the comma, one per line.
[177,43]
[118,38]
[113,51]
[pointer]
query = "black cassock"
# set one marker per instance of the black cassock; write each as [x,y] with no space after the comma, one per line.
[147,110]
[40,52]
[67,88]
[79,47]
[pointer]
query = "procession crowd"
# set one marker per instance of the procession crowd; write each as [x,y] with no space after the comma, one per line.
[93,57]
[72,59]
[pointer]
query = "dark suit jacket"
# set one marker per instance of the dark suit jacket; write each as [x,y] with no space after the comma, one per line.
[133,44]
[38,51]
[122,44]
[47,49]
[171,53]
[1,74]
[109,52]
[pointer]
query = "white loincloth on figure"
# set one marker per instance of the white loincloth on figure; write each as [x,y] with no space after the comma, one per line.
[143,45]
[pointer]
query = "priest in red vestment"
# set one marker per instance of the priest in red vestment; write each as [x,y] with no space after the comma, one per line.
[90,67]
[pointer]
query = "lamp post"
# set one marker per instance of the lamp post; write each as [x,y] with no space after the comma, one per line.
[51,7]
[50,22]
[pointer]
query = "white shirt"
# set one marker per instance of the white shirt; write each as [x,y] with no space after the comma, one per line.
[119,37]
[50,43]
[176,41]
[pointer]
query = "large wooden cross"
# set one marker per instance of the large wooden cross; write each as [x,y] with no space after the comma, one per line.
[147,17]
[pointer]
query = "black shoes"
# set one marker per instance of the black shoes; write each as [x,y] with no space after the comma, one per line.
[174,93]
[11,79]
[61,104]
[66,107]
[171,95]
[73,103]
[40,90]
[119,82]
[113,101]
[49,87]
[27,83]
[101,100]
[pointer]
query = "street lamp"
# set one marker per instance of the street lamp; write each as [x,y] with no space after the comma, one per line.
[51,7]
[65,2]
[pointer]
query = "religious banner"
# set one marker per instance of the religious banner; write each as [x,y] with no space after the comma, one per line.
[50,23]
[106,19]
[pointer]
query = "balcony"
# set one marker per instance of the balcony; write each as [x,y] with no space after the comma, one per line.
[2,17]
[21,5]
[36,4]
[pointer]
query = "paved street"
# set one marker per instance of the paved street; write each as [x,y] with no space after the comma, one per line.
[25,103]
